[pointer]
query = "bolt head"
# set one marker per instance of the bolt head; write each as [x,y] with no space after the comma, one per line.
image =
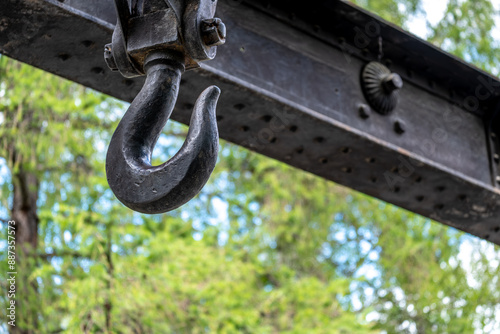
[392,82]
[213,32]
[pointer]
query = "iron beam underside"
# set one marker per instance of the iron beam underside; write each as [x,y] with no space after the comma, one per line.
[291,91]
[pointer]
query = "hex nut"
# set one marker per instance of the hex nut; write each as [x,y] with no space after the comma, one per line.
[213,32]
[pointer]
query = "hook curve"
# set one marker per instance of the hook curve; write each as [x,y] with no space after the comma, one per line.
[133,179]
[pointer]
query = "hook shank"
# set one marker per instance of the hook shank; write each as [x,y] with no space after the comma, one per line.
[156,189]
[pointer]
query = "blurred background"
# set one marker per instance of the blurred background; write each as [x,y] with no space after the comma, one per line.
[264,248]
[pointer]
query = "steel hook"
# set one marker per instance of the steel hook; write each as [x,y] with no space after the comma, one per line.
[134,180]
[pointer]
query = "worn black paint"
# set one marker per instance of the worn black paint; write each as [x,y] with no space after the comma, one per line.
[288,80]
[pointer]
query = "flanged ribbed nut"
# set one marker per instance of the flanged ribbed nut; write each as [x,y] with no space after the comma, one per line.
[213,32]
[380,87]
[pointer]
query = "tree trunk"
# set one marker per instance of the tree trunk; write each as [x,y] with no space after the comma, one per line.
[24,213]
[108,306]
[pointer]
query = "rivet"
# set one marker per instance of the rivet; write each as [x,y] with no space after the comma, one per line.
[399,127]
[440,189]
[88,43]
[64,56]
[239,106]
[345,150]
[347,170]
[439,207]
[267,118]
[97,70]
[364,111]
[319,139]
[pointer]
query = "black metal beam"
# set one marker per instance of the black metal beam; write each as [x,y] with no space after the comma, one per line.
[291,90]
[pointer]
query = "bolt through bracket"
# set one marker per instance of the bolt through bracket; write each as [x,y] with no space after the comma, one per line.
[183,26]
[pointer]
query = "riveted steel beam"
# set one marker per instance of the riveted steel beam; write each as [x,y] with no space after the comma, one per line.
[290,78]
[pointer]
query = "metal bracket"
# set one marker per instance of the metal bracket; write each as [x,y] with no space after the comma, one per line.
[187,27]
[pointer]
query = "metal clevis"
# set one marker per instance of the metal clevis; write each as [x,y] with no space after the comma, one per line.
[161,39]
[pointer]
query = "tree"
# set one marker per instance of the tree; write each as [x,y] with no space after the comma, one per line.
[255,252]
[47,126]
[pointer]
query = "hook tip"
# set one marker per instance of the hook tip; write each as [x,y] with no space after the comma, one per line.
[207,102]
